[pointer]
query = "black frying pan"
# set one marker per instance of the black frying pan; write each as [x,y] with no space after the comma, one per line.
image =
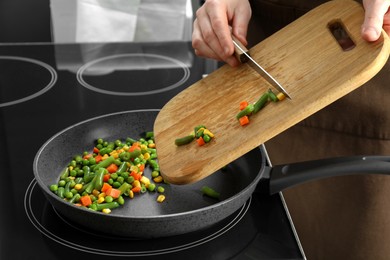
[185,209]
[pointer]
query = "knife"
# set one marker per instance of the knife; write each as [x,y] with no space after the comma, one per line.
[243,56]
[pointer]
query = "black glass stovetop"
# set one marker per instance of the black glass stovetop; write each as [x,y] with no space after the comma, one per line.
[45,88]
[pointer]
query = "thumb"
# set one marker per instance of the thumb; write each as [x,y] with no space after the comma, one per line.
[373,19]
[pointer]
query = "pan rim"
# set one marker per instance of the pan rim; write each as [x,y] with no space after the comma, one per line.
[113,215]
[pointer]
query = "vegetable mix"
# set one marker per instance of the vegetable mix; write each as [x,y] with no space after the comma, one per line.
[101,179]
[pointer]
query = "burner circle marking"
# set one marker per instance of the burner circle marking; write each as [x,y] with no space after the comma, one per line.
[53,80]
[41,228]
[82,69]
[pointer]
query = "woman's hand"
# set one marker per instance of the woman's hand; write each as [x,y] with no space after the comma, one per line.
[215,21]
[377,16]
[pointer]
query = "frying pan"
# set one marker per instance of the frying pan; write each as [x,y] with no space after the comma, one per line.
[185,208]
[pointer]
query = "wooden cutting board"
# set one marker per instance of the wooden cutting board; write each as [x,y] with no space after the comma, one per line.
[304,57]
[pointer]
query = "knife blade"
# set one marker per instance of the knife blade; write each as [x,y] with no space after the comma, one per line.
[243,56]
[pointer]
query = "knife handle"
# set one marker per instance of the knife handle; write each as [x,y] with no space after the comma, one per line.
[238,53]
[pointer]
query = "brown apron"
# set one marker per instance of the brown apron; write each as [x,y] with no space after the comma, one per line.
[339,217]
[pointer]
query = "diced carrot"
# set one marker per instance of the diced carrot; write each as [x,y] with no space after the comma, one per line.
[86,200]
[115,193]
[105,187]
[136,189]
[244,120]
[200,141]
[137,176]
[106,177]
[98,158]
[134,146]
[243,105]
[87,156]
[112,168]
[141,167]
[96,150]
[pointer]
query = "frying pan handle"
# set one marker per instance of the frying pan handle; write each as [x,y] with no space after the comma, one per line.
[285,176]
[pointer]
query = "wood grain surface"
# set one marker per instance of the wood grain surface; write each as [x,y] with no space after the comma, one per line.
[306,60]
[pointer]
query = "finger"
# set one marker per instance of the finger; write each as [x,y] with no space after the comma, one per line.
[373,19]
[206,33]
[201,46]
[241,19]
[219,23]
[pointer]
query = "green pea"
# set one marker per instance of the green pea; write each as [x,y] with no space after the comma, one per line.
[68,195]
[160,189]
[130,179]
[116,184]
[121,200]
[155,174]
[108,199]
[152,187]
[53,187]
[206,138]
[61,183]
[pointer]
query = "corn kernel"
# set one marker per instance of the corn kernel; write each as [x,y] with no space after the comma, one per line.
[160,198]
[107,211]
[100,200]
[143,147]
[78,186]
[134,168]
[131,194]
[145,180]
[158,179]
[207,132]
[136,183]
[105,157]
[95,192]
[146,156]
[152,145]
[102,195]
[70,168]
[280,96]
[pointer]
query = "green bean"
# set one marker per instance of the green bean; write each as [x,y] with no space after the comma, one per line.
[246,111]
[98,183]
[122,168]
[64,173]
[108,205]
[261,102]
[184,140]
[76,197]
[272,96]
[67,187]
[87,187]
[149,135]
[130,140]
[210,192]
[127,156]
[105,150]
[60,192]
[154,165]
[124,187]
[88,176]
[105,163]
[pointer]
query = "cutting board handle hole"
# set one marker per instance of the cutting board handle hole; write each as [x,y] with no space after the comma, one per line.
[340,33]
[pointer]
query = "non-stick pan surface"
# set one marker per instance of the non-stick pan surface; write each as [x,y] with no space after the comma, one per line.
[185,208]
